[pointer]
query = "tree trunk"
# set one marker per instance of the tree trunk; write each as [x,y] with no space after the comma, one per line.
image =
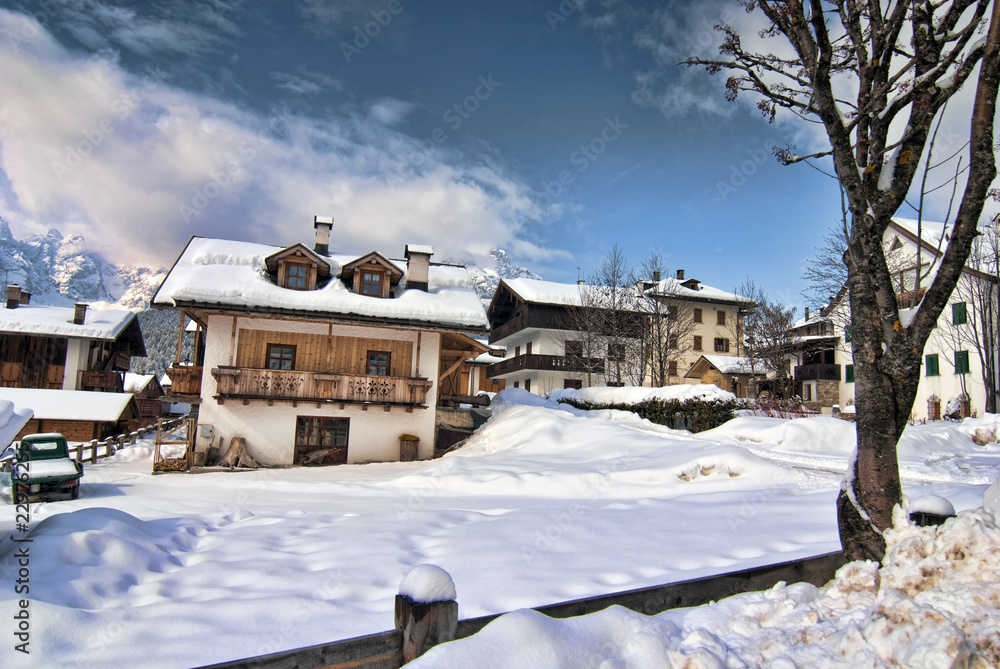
[237,455]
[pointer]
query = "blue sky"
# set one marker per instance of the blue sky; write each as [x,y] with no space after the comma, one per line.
[551,129]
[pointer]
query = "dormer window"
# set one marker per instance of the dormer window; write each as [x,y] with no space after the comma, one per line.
[371,282]
[296,276]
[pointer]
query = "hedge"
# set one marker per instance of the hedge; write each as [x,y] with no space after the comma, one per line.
[693,415]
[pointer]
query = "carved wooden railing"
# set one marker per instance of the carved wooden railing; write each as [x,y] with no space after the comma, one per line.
[296,385]
[185,381]
[107,381]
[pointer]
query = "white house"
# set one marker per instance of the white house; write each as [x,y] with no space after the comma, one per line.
[304,351]
[951,368]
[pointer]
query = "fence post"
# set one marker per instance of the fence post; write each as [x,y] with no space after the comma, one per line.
[93,451]
[426,610]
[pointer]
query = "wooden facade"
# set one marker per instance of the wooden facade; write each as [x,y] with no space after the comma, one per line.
[322,353]
[28,361]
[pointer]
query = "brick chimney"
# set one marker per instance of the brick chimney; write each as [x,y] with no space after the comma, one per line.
[418,262]
[680,275]
[323,225]
[79,313]
[13,296]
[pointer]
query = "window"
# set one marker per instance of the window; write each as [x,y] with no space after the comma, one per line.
[806,392]
[616,351]
[371,282]
[574,349]
[720,318]
[672,341]
[958,313]
[296,276]
[672,311]
[527,349]
[517,351]
[318,434]
[721,345]
[848,333]
[697,343]
[378,363]
[932,365]
[280,356]
[672,368]
[697,315]
[961,362]
[572,383]
[849,373]
[527,385]
[517,384]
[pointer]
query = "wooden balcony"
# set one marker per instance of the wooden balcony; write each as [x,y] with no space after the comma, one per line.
[822,372]
[150,408]
[109,382]
[300,386]
[185,383]
[556,363]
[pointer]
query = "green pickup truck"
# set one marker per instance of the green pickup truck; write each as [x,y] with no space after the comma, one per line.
[42,467]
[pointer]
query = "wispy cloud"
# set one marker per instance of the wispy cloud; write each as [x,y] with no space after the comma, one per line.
[142,165]
[306,82]
[171,26]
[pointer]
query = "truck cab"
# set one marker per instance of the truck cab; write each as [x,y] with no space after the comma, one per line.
[42,469]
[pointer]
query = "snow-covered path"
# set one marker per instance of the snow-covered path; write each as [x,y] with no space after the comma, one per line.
[541,506]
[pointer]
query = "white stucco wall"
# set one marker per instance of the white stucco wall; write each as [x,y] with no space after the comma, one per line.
[76,359]
[373,435]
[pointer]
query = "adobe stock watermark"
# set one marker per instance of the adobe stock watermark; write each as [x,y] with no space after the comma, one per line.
[562,12]
[454,116]
[742,171]
[93,137]
[364,33]
[233,171]
[31,25]
[584,157]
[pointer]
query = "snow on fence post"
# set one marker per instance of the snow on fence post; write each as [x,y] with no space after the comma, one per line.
[426,610]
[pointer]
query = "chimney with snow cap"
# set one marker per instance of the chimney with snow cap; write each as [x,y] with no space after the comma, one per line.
[13,296]
[79,313]
[418,261]
[323,225]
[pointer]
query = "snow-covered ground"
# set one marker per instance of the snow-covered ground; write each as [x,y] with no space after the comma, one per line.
[544,504]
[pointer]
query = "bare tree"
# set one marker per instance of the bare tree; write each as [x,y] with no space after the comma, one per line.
[621,308]
[583,342]
[766,337]
[667,339]
[865,70]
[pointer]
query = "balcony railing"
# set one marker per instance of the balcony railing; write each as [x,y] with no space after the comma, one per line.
[295,385]
[185,382]
[822,372]
[534,361]
[103,381]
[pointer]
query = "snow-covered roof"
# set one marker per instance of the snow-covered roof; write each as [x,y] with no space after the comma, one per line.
[731,364]
[673,287]
[58,321]
[563,294]
[69,404]
[932,231]
[135,383]
[228,273]
[12,419]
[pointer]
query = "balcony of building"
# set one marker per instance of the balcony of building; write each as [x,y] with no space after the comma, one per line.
[537,362]
[246,383]
[817,371]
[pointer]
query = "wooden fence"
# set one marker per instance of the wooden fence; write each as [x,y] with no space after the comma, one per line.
[90,451]
[385,650]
